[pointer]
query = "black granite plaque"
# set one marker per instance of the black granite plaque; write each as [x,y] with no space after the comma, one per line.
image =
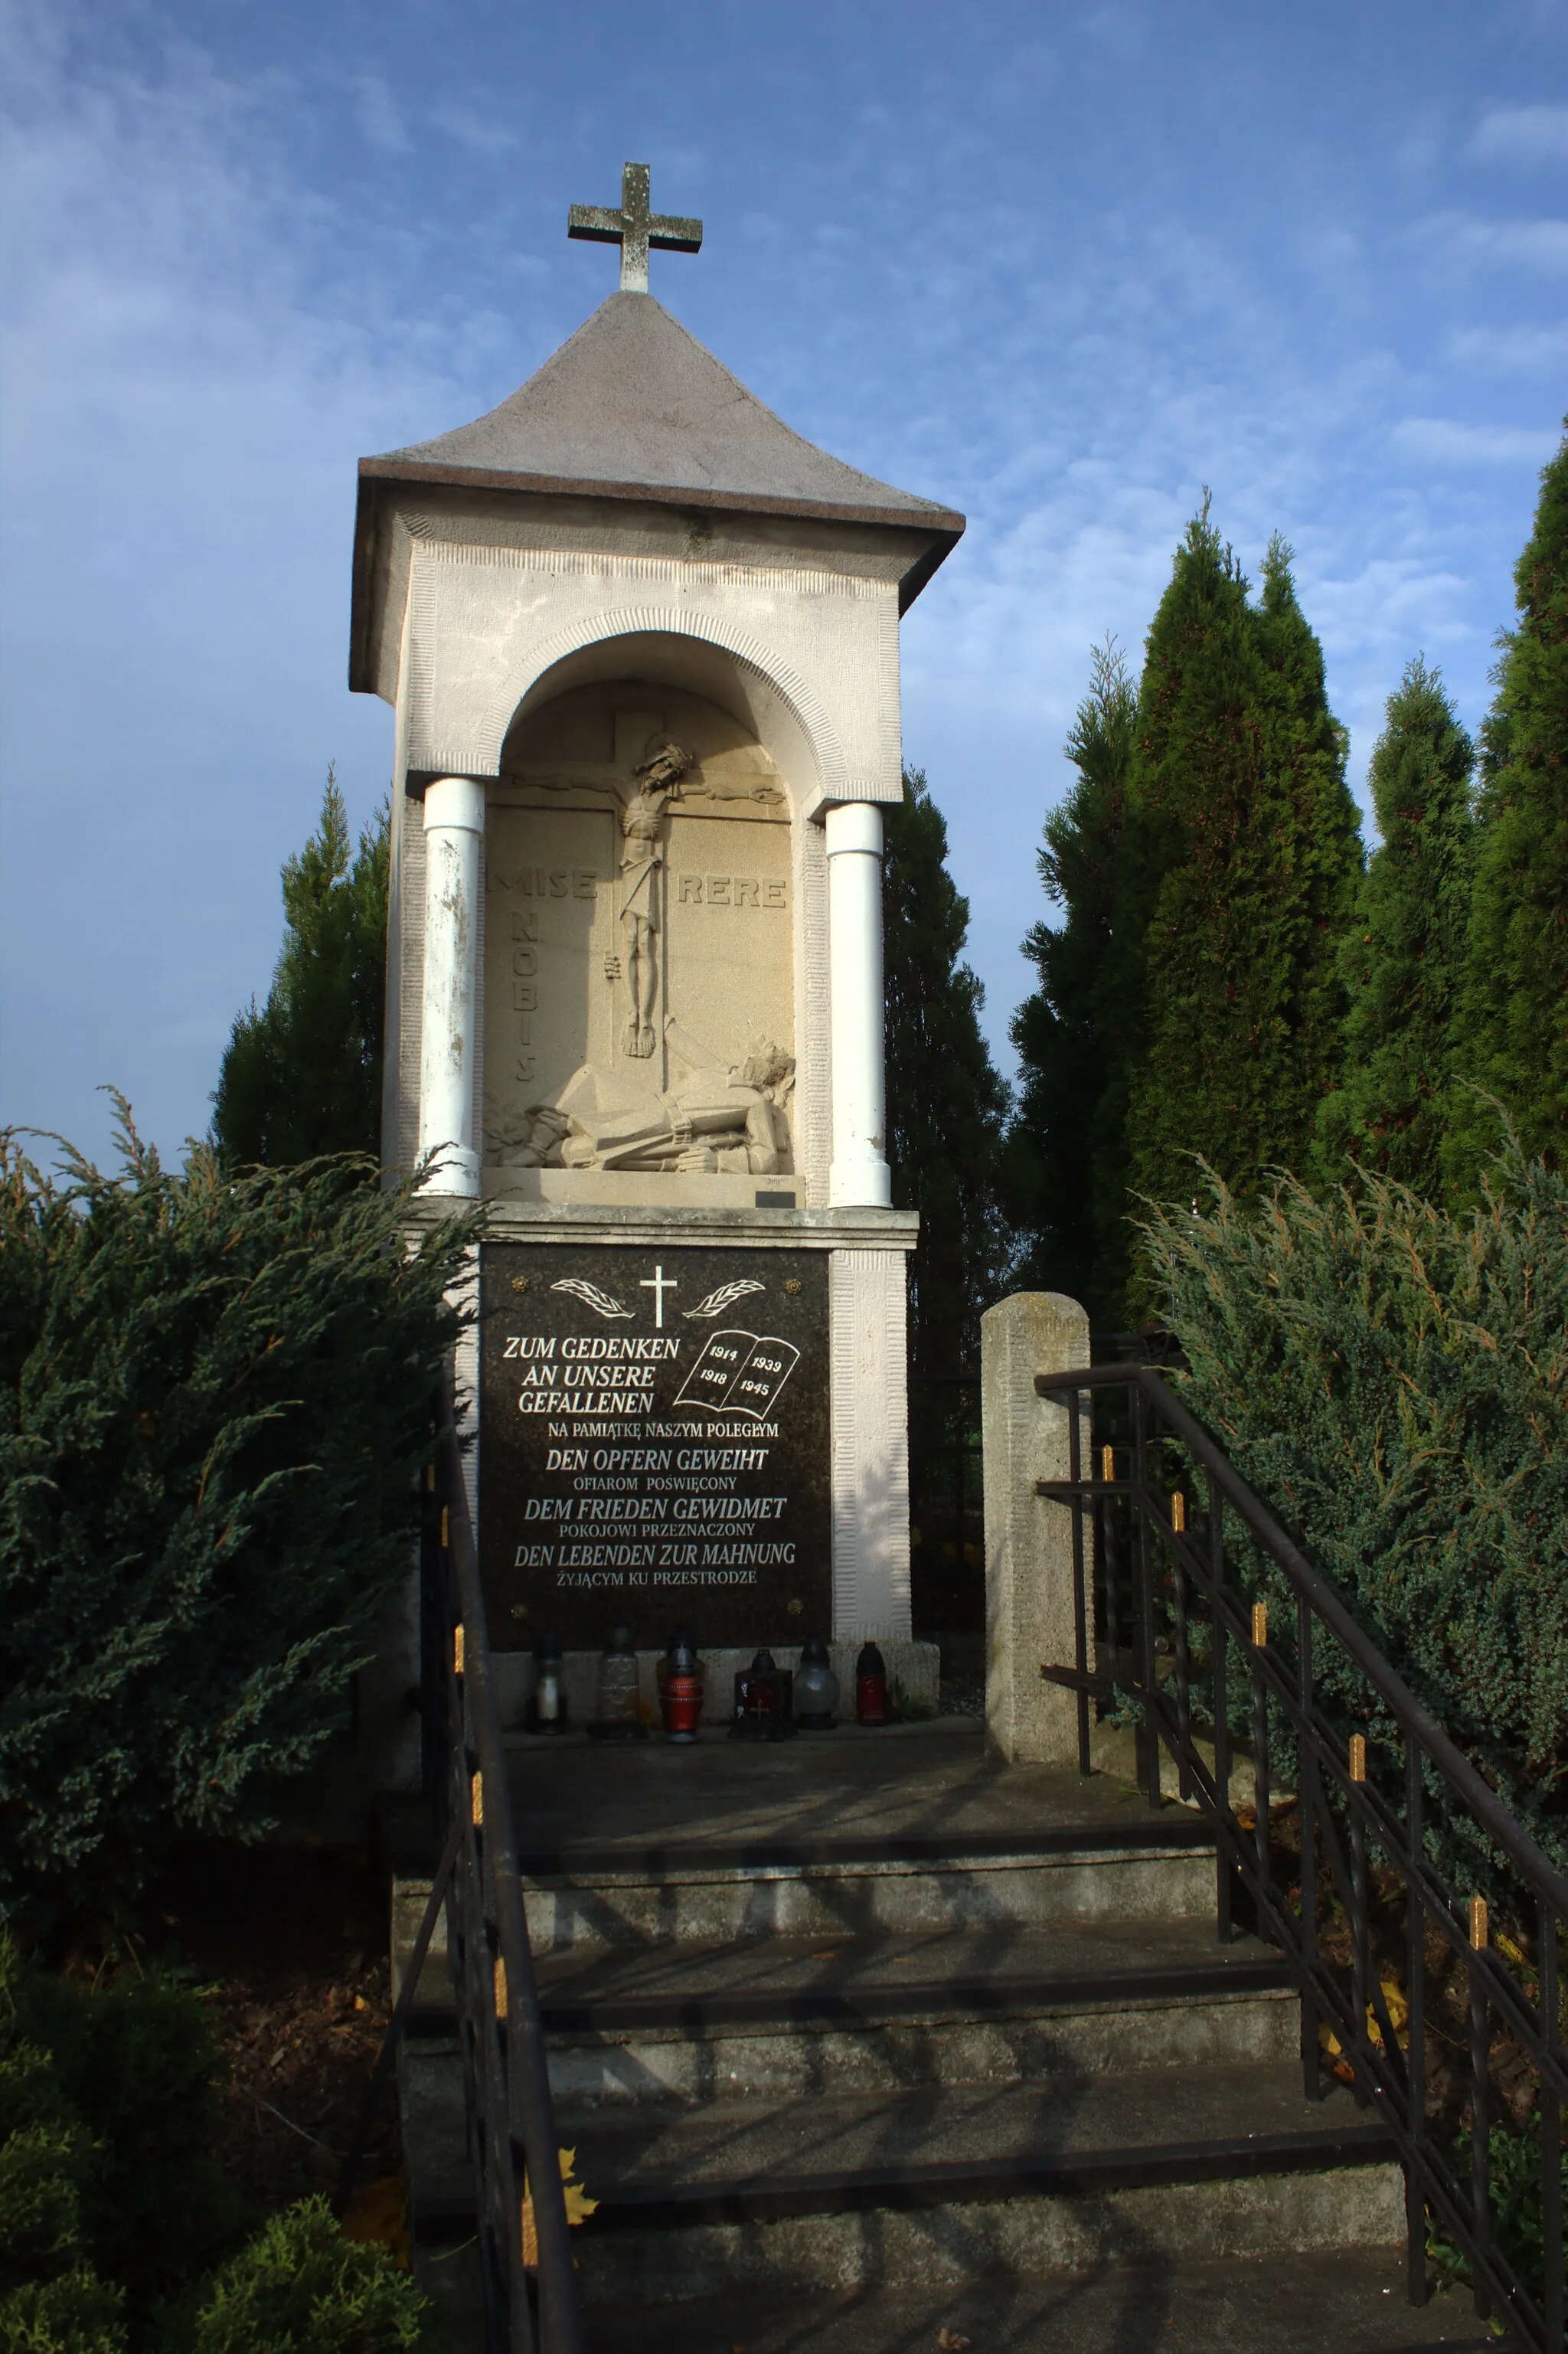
[653,1444]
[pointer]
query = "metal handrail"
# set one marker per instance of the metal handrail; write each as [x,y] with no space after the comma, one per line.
[513,2142]
[512,2139]
[1333,1793]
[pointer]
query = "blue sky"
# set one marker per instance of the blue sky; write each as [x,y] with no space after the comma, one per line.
[1060,266]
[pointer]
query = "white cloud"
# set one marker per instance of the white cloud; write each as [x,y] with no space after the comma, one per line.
[472,130]
[1439,440]
[1463,239]
[1522,135]
[1511,351]
[380,119]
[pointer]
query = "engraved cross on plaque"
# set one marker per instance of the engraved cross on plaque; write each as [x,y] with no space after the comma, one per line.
[659,1283]
[634,229]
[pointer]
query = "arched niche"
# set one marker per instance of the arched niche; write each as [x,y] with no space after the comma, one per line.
[773,712]
[639,1035]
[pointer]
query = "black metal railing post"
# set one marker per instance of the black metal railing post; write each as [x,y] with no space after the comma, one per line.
[1222,1904]
[1480,2110]
[1080,1612]
[1552,2221]
[1415,2030]
[1262,1794]
[1143,1572]
[1182,1668]
[1361,2057]
[1306,1776]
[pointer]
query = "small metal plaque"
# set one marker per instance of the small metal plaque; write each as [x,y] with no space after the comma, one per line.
[653,1444]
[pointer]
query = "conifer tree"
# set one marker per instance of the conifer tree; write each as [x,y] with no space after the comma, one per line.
[1072,1036]
[1513,1012]
[947,1105]
[1247,856]
[302,1075]
[1403,958]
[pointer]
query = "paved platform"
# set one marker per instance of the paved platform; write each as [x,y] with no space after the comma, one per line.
[906,1790]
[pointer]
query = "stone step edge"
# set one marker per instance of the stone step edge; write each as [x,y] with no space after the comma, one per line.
[952,1852]
[968,2182]
[1180,1831]
[959,2001]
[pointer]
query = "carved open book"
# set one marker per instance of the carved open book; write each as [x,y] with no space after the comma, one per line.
[739,1373]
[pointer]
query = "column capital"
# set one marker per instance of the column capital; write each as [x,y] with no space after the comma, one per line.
[853,825]
[457,802]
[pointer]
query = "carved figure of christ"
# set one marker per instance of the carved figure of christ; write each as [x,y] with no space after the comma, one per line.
[642,865]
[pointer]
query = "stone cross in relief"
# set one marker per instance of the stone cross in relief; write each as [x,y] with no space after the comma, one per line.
[634,229]
[659,1283]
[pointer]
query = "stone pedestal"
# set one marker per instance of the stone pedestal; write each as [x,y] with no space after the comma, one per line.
[1028,1542]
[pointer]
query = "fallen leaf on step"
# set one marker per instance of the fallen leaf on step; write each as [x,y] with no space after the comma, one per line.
[952,2342]
[579,2206]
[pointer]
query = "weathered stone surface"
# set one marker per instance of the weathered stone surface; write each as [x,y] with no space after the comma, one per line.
[1350,2208]
[1028,1544]
[633,401]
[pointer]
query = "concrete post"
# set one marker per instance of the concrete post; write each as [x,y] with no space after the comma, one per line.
[859,1177]
[454,829]
[1028,1544]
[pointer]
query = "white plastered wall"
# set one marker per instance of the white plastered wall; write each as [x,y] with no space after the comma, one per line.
[870,1444]
[483,623]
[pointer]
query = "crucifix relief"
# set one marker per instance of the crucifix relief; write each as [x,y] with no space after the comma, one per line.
[640,946]
[634,229]
[641,872]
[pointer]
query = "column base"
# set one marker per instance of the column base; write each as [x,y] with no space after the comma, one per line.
[455,1169]
[860,1185]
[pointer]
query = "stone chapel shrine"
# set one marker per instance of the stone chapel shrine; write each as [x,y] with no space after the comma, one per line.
[641,641]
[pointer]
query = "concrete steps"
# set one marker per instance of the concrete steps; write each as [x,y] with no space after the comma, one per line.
[789,2018]
[809,2040]
[931,2185]
[1349,2301]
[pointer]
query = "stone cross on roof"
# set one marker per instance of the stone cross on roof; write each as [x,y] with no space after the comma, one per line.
[634,229]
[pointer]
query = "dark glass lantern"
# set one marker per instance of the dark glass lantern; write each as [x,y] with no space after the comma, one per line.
[816,1688]
[763,1702]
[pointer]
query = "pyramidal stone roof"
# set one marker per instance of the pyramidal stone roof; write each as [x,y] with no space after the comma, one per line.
[634,407]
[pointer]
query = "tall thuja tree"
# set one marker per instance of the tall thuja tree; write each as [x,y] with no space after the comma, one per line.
[1066,1145]
[302,1075]
[946,1106]
[1513,1011]
[1403,960]
[1248,863]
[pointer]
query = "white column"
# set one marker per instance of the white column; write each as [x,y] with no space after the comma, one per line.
[859,1176]
[454,828]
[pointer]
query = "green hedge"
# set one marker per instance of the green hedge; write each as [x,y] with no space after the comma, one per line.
[300,2288]
[1394,1380]
[214,1400]
[118,2232]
